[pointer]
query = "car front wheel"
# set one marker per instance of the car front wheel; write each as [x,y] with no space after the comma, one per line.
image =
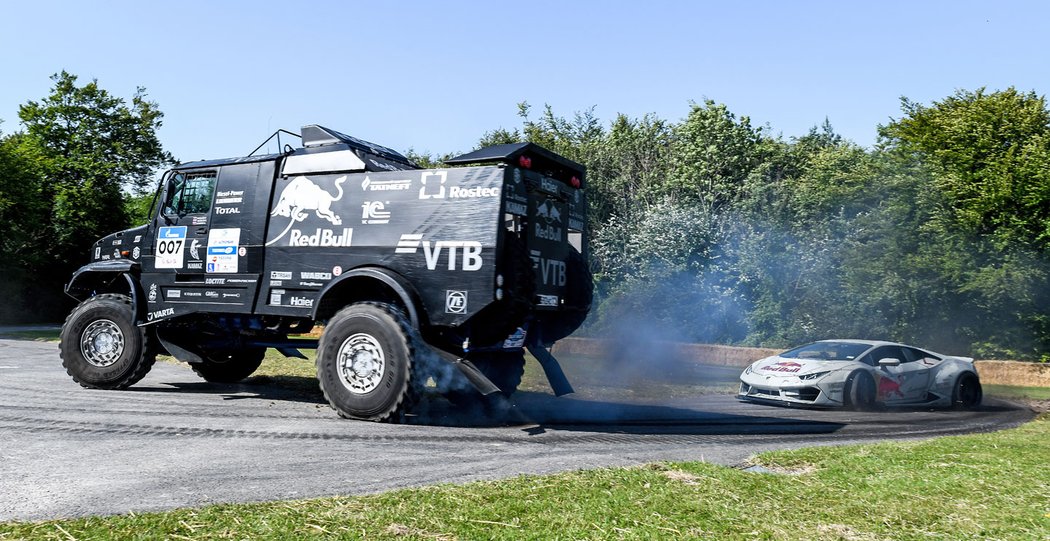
[859,393]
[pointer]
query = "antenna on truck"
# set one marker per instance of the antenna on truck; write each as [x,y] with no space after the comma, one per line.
[276,134]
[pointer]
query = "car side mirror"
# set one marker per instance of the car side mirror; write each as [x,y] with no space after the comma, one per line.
[889,361]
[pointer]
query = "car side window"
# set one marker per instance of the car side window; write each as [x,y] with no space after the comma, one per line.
[909,355]
[189,193]
[920,355]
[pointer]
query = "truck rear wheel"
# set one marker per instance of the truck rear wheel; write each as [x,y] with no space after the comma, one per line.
[364,362]
[229,366]
[102,348]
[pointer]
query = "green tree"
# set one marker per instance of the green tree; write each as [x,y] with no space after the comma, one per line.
[713,154]
[989,237]
[92,149]
[23,220]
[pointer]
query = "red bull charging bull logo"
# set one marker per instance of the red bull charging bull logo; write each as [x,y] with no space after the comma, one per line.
[888,388]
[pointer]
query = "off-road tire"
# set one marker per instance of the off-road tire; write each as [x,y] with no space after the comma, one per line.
[102,348]
[377,385]
[860,392]
[579,295]
[967,393]
[229,366]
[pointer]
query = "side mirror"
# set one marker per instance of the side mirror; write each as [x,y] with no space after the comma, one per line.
[889,361]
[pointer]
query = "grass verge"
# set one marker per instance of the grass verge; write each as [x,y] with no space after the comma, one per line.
[987,486]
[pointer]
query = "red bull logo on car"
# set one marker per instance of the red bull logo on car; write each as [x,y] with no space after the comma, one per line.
[783,366]
[888,388]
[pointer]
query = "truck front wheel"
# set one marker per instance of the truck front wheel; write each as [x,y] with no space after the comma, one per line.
[102,348]
[364,362]
[229,366]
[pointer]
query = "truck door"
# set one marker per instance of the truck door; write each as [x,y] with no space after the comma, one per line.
[206,255]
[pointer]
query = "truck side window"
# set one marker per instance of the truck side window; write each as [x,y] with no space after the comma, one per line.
[190,193]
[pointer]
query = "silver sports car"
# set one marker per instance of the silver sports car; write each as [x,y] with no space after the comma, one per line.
[862,374]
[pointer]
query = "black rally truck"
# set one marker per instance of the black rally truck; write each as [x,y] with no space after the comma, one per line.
[424,279]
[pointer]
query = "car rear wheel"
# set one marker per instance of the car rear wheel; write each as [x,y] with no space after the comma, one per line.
[364,362]
[859,392]
[102,348]
[967,393]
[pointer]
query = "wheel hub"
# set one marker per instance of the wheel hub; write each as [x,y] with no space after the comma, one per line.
[102,343]
[361,363]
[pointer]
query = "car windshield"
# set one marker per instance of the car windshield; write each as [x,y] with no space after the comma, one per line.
[827,351]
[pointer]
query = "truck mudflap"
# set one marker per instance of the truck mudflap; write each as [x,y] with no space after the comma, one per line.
[551,368]
[480,382]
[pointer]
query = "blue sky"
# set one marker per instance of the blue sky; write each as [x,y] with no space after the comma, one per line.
[434,76]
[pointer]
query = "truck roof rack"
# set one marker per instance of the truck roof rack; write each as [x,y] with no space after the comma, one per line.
[319,136]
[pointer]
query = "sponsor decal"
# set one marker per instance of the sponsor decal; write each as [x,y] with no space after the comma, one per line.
[229,197]
[227,210]
[194,246]
[160,313]
[789,367]
[135,253]
[311,284]
[548,221]
[211,294]
[301,196]
[575,224]
[517,208]
[369,185]
[321,237]
[337,270]
[301,302]
[433,185]
[373,212]
[138,238]
[235,295]
[242,251]
[98,252]
[276,283]
[455,302]
[191,293]
[116,253]
[515,340]
[174,293]
[516,176]
[280,275]
[215,281]
[171,243]
[548,185]
[547,300]
[222,250]
[275,296]
[152,296]
[118,242]
[314,276]
[552,271]
[888,387]
[469,251]
[195,265]
[200,220]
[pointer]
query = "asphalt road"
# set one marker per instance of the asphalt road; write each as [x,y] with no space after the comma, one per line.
[173,440]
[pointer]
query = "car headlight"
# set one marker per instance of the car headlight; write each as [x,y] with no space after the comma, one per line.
[814,375]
